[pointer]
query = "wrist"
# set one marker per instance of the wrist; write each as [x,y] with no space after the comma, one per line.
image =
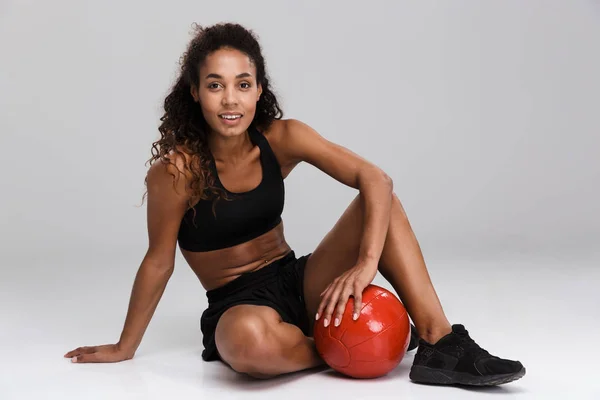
[369,261]
[126,348]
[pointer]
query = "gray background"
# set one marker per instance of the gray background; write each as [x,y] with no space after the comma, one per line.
[485,114]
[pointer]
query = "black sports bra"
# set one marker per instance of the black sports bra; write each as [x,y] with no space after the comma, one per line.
[249,215]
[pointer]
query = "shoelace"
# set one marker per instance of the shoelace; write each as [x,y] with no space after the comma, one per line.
[470,344]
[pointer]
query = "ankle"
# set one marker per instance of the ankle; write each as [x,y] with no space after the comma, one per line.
[434,333]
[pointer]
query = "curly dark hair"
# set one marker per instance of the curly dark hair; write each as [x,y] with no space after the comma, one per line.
[183,125]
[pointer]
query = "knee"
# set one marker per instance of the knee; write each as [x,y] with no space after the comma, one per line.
[245,345]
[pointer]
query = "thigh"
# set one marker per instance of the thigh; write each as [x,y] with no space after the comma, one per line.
[335,254]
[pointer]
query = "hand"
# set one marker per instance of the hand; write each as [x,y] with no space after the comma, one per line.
[99,354]
[335,296]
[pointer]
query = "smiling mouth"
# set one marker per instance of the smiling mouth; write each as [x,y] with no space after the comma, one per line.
[231,117]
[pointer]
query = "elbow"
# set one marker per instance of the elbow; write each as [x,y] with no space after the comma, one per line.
[167,269]
[159,269]
[159,265]
[160,273]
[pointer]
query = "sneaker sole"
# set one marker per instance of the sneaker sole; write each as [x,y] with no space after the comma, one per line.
[422,374]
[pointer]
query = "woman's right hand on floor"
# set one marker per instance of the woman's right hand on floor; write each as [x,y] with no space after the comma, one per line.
[99,354]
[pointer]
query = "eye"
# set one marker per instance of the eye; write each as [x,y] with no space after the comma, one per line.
[213,85]
[246,83]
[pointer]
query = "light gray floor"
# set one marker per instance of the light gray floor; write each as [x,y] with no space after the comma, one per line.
[542,311]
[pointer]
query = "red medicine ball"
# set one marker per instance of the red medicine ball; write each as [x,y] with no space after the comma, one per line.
[371,346]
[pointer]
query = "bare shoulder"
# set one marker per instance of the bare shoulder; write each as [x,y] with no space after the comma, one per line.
[295,141]
[289,137]
[168,199]
[175,164]
[282,130]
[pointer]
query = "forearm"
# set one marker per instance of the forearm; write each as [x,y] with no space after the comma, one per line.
[376,190]
[149,285]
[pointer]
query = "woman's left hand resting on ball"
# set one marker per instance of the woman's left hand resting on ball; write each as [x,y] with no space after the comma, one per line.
[351,283]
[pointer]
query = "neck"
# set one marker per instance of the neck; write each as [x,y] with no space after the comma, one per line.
[230,150]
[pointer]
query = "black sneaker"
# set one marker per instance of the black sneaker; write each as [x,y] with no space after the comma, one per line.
[457,359]
[414,338]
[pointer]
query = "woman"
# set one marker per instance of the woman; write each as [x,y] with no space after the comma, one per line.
[218,192]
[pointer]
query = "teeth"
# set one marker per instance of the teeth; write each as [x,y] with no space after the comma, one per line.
[231,116]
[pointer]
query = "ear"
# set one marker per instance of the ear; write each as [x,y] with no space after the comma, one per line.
[259,92]
[194,93]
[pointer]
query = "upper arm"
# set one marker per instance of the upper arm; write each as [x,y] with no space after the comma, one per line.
[300,142]
[167,203]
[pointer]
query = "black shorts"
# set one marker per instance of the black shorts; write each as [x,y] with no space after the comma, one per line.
[279,285]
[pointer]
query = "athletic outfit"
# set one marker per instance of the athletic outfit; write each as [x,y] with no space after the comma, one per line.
[247,216]
[250,214]
[455,358]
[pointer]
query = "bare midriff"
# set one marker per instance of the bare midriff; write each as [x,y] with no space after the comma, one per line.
[216,268]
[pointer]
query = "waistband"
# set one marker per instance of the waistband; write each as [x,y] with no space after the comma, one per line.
[249,279]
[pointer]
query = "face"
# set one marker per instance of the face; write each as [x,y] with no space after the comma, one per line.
[228,92]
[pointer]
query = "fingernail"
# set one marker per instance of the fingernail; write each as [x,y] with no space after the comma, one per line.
[74,359]
[355,316]
[337,322]
[317,316]
[326,322]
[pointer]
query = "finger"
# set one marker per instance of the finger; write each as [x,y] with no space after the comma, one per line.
[332,284]
[71,353]
[80,350]
[331,287]
[335,295]
[324,300]
[326,289]
[323,303]
[87,358]
[320,309]
[357,301]
[341,305]
[90,349]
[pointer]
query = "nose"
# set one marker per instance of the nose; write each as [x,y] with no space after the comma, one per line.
[229,96]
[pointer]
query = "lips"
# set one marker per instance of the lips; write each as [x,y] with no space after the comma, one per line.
[230,117]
